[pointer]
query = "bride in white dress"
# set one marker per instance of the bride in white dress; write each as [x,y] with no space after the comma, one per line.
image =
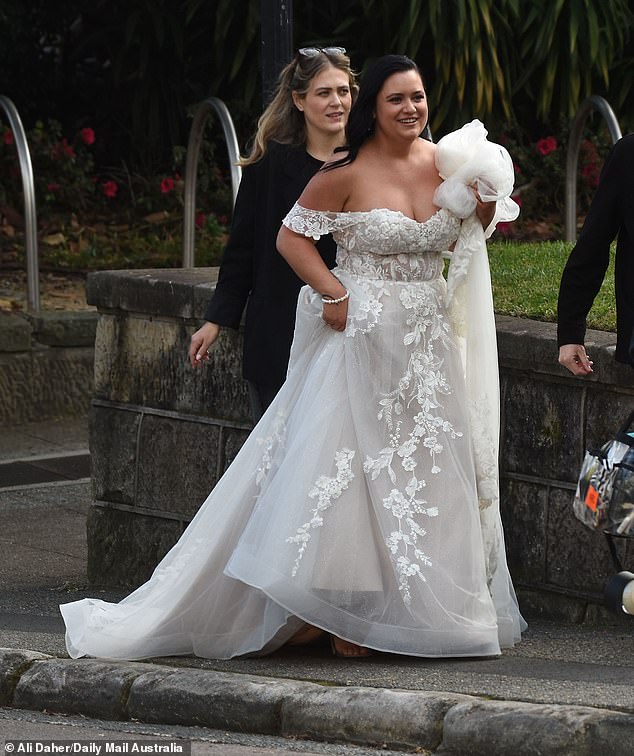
[365,501]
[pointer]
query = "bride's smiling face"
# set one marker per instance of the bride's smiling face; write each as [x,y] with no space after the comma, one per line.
[401,106]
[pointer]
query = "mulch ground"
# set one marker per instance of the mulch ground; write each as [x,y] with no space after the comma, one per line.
[58,291]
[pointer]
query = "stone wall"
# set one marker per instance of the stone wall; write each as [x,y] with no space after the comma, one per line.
[162,434]
[46,365]
[549,418]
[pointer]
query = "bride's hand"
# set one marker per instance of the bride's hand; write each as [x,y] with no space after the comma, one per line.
[336,315]
[484,210]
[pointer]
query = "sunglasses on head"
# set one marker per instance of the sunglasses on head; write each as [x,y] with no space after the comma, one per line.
[313,52]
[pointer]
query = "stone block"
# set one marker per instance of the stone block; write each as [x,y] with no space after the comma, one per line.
[545,604]
[113,447]
[177,465]
[392,719]
[144,361]
[164,292]
[136,359]
[124,548]
[65,329]
[523,508]
[15,333]
[45,383]
[15,388]
[62,381]
[106,348]
[203,292]
[89,687]
[233,440]
[498,728]
[242,703]
[531,345]
[598,615]
[528,345]
[225,393]
[542,429]
[576,556]
[216,389]
[12,665]
[606,411]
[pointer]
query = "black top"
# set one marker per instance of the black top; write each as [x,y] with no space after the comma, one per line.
[611,215]
[253,273]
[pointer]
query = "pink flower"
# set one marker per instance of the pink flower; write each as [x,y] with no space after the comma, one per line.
[546,145]
[167,184]
[110,188]
[62,148]
[200,220]
[589,150]
[53,187]
[88,136]
[8,137]
[591,173]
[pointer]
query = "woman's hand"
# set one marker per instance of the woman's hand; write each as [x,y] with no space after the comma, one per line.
[336,315]
[484,210]
[574,357]
[300,253]
[201,342]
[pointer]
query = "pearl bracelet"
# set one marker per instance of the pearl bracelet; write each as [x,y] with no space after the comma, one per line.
[336,301]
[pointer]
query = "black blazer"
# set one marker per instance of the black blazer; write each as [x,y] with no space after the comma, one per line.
[253,273]
[611,215]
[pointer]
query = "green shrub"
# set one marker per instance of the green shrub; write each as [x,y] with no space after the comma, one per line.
[95,219]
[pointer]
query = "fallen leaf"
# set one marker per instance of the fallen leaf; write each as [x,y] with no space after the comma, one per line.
[156,217]
[54,240]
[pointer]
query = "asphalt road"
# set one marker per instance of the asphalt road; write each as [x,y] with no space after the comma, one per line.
[90,736]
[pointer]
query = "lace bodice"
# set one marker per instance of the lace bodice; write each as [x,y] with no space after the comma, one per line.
[381,243]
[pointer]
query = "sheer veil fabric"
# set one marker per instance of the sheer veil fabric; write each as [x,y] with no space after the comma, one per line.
[365,501]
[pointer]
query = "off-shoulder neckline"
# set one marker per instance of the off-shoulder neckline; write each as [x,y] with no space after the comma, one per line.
[374,210]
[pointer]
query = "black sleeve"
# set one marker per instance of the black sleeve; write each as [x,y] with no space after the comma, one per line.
[235,277]
[585,270]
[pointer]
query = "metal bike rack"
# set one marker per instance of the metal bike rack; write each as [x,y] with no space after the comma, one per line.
[593,102]
[28,189]
[211,104]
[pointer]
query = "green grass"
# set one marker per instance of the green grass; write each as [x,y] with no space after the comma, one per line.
[525,278]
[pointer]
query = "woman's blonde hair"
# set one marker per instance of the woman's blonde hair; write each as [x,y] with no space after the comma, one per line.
[282,121]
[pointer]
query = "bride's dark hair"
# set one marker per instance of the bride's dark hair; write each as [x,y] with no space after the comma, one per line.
[361,120]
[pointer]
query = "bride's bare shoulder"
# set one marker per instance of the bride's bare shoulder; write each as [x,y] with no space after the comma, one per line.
[329,188]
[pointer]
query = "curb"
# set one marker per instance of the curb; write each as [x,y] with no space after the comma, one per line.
[372,717]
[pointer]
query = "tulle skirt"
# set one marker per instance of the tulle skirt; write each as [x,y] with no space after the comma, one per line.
[352,506]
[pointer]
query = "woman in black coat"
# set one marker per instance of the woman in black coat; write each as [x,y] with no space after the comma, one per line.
[296,134]
[611,215]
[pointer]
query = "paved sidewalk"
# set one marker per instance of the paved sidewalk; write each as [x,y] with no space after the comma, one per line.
[566,689]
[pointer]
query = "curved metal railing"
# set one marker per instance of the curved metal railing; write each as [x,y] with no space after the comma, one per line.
[211,104]
[594,102]
[30,218]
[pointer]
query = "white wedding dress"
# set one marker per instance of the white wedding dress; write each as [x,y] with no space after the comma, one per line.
[365,500]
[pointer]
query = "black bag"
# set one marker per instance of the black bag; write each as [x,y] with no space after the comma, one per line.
[604,499]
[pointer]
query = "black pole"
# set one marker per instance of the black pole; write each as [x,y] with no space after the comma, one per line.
[277,42]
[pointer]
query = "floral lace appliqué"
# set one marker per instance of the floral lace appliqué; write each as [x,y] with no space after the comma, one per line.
[423,384]
[366,313]
[269,445]
[326,490]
